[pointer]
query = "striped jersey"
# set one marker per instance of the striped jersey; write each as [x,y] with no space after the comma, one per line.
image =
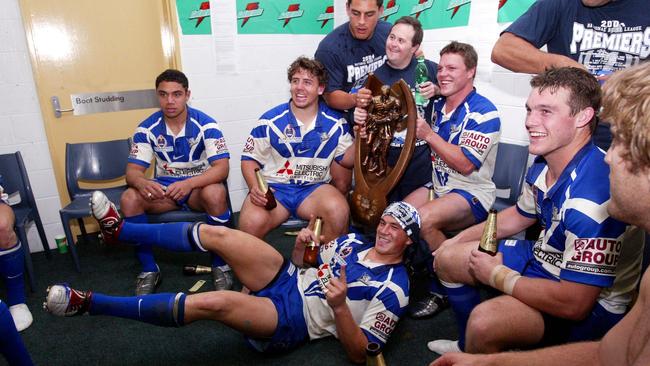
[474,126]
[377,296]
[290,152]
[181,156]
[580,242]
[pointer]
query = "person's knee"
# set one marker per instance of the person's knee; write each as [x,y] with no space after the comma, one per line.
[215,303]
[213,197]
[7,234]
[131,202]
[481,327]
[443,263]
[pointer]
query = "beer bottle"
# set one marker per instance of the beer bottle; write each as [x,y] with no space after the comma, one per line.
[261,183]
[310,257]
[196,269]
[488,243]
[432,194]
[373,355]
[421,76]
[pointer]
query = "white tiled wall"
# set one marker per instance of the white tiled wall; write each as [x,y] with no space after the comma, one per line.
[234,79]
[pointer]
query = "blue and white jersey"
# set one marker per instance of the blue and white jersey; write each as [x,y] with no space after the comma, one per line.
[181,156]
[580,242]
[474,126]
[297,152]
[378,294]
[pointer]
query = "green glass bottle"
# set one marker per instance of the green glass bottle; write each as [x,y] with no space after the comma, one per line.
[421,76]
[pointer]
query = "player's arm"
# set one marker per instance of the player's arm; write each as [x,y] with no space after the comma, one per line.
[256,196]
[349,333]
[574,354]
[339,99]
[518,55]
[135,177]
[452,154]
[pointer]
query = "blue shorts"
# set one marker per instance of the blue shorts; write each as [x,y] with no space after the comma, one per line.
[291,330]
[518,255]
[292,195]
[479,213]
[182,203]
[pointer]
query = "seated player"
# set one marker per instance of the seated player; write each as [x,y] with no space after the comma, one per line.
[191,160]
[575,282]
[356,283]
[293,145]
[12,264]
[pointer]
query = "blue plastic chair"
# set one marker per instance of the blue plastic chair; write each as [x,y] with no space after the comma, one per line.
[91,162]
[509,173]
[15,179]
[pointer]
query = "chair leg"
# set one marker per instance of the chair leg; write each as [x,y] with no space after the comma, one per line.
[41,234]
[65,222]
[82,227]
[29,267]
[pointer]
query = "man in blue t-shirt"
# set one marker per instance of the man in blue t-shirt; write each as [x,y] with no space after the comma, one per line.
[602,36]
[357,294]
[401,46]
[576,280]
[349,53]
[191,162]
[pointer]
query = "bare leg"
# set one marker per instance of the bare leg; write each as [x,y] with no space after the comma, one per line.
[132,204]
[210,199]
[449,212]
[327,202]
[258,221]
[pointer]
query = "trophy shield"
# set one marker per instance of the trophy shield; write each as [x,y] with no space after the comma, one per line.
[373,178]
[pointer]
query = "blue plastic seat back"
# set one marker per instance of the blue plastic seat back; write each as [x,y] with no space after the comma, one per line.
[509,172]
[95,161]
[15,179]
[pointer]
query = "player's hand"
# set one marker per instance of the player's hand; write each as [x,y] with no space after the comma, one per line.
[257,197]
[428,89]
[306,234]
[422,129]
[179,189]
[460,359]
[481,265]
[337,290]
[151,190]
[360,116]
[364,97]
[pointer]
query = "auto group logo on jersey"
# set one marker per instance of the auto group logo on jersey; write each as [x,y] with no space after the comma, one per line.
[293,11]
[251,10]
[595,255]
[326,16]
[202,13]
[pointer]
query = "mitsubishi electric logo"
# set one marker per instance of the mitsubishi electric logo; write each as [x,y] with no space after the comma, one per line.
[202,13]
[326,16]
[293,11]
[421,6]
[252,10]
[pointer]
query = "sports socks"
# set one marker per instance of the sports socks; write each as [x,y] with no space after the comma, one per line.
[463,299]
[166,309]
[11,270]
[221,220]
[143,252]
[11,345]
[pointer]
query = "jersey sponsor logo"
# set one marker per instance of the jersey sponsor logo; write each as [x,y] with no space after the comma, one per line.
[326,16]
[293,11]
[182,172]
[554,259]
[358,71]
[220,145]
[595,255]
[249,146]
[134,150]
[286,169]
[383,325]
[252,10]
[310,172]
[476,141]
[610,45]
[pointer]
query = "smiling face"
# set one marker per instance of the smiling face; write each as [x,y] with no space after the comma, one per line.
[454,77]
[363,15]
[391,239]
[305,89]
[172,98]
[399,46]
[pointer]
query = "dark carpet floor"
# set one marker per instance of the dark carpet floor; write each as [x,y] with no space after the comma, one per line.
[99,340]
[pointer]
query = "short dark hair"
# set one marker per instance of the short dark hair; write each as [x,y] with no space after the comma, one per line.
[466,51]
[380,3]
[417,27]
[173,75]
[313,66]
[583,88]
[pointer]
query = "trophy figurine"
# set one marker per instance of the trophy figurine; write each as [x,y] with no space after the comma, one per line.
[392,109]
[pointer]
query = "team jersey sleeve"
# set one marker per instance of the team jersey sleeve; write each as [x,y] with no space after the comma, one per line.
[593,242]
[480,136]
[539,24]
[141,150]
[215,143]
[526,201]
[257,146]
[383,312]
[345,140]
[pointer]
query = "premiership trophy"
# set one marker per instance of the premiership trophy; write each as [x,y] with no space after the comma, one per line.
[391,110]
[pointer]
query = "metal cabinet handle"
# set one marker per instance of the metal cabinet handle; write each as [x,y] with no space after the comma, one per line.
[57,107]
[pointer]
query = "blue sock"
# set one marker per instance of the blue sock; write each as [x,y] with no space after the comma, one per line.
[463,299]
[143,252]
[171,236]
[11,345]
[221,220]
[11,270]
[166,309]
